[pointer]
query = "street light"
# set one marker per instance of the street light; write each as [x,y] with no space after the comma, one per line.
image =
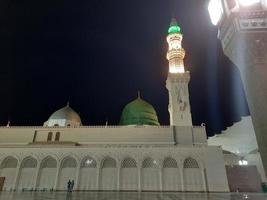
[242,30]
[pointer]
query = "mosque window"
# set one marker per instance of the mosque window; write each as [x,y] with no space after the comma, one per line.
[88,162]
[190,163]
[169,163]
[128,163]
[49,136]
[149,163]
[109,163]
[57,136]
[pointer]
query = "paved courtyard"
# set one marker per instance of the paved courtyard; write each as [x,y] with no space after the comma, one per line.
[129,196]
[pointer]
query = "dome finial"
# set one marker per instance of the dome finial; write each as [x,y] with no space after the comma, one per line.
[138,94]
[173,22]
[174,28]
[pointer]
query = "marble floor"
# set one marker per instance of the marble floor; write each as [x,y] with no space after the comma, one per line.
[129,196]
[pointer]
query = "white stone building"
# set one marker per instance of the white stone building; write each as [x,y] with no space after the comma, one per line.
[137,155]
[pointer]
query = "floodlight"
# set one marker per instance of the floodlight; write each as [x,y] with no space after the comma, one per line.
[243,162]
[215,10]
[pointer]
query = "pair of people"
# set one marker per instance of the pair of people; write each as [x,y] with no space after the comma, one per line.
[70,185]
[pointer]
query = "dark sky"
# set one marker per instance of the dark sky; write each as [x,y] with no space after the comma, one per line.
[99,53]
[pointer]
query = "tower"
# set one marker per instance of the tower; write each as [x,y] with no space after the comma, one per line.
[243,34]
[178,79]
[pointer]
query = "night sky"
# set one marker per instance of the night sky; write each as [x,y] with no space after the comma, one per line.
[97,54]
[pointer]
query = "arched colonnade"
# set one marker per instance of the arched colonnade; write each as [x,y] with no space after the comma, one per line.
[128,174]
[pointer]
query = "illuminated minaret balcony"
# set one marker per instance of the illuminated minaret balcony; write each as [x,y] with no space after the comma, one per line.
[176,53]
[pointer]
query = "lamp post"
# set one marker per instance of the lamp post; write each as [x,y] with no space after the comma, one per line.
[242,30]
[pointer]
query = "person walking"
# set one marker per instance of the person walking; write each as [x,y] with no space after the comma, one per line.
[69,185]
[72,185]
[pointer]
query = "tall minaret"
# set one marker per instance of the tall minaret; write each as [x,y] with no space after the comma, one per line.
[178,79]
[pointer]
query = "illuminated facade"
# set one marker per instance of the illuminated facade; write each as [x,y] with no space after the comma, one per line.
[178,79]
[242,30]
[137,155]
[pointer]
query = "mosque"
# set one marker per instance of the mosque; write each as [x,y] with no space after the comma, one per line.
[137,155]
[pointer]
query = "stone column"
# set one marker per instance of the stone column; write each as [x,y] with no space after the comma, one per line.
[118,178]
[17,176]
[182,178]
[37,175]
[160,179]
[139,179]
[57,176]
[98,179]
[77,177]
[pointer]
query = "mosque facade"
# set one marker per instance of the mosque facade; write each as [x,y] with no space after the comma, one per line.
[139,154]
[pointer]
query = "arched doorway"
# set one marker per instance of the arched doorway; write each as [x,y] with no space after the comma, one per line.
[108,174]
[171,178]
[47,174]
[88,174]
[128,175]
[8,170]
[27,174]
[150,175]
[193,180]
[67,172]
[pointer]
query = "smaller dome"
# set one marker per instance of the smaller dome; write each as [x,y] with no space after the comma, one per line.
[139,112]
[65,116]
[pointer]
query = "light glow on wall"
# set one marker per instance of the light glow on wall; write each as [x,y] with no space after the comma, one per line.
[88,162]
[248,2]
[215,10]
[175,69]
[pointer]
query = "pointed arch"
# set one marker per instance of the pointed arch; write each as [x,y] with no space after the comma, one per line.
[8,169]
[170,162]
[109,162]
[190,163]
[171,176]
[88,162]
[193,180]
[129,174]
[67,172]
[150,175]
[27,173]
[88,174]
[128,163]
[108,174]
[9,162]
[149,163]
[47,173]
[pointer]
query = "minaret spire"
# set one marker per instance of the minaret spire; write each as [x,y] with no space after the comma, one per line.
[178,79]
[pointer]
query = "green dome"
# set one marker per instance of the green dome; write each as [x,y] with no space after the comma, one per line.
[139,112]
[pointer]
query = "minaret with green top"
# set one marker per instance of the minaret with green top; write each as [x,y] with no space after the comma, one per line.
[178,79]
